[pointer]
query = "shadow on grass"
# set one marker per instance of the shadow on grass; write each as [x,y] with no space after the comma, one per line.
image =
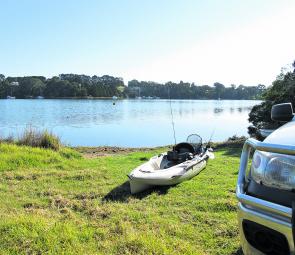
[238,252]
[232,152]
[122,193]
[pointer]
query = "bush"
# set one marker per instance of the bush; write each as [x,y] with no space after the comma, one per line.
[42,139]
[8,139]
[232,142]
[281,91]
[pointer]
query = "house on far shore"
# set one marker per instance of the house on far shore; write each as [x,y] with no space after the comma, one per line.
[14,83]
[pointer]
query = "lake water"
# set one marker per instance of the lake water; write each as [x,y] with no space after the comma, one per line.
[128,123]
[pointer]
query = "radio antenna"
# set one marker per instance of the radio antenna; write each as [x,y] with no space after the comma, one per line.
[171,112]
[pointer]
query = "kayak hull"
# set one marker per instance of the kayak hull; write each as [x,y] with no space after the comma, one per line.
[137,186]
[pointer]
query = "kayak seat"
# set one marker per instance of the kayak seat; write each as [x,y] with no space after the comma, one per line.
[184,147]
[177,157]
[182,152]
[172,155]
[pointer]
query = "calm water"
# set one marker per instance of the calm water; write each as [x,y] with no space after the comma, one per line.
[133,123]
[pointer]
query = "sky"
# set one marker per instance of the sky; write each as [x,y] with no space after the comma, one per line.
[230,41]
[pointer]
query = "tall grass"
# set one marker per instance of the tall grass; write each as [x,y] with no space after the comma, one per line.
[35,138]
[7,139]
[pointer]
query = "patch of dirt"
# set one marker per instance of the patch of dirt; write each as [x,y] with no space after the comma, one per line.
[102,151]
[94,152]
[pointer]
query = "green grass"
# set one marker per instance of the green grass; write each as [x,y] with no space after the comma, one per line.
[57,202]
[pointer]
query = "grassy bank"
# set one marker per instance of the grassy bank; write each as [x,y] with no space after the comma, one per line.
[59,202]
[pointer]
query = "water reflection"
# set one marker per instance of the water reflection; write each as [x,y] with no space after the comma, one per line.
[218,110]
[232,110]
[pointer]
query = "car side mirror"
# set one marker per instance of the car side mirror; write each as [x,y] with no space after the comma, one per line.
[282,112]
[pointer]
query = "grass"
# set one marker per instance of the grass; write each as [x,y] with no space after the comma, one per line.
[58,202]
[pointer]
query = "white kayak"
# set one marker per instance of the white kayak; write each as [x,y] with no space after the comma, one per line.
[165,170]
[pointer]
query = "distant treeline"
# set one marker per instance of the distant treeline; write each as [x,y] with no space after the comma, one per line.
[74,85]
[184,90]
[64,85]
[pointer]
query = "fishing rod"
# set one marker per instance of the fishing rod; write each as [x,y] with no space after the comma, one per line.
[213,132]
[172,119]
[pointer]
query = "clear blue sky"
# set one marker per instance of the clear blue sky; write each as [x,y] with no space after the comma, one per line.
[230,41]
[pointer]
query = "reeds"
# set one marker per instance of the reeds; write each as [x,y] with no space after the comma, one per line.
[35,138]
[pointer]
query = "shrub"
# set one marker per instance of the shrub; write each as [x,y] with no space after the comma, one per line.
[42,139]
[231,142]
[281,91]
[48,140]
[8,139]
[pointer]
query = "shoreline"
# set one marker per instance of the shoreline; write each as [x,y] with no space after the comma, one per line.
[100,151]
[125,98]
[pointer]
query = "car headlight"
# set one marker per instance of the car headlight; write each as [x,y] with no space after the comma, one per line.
[273,170]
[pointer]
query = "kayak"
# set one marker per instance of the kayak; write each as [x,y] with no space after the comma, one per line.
[184,162]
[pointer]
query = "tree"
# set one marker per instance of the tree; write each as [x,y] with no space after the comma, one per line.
[4,89]
[219,89]
[281,91]
[29,86]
